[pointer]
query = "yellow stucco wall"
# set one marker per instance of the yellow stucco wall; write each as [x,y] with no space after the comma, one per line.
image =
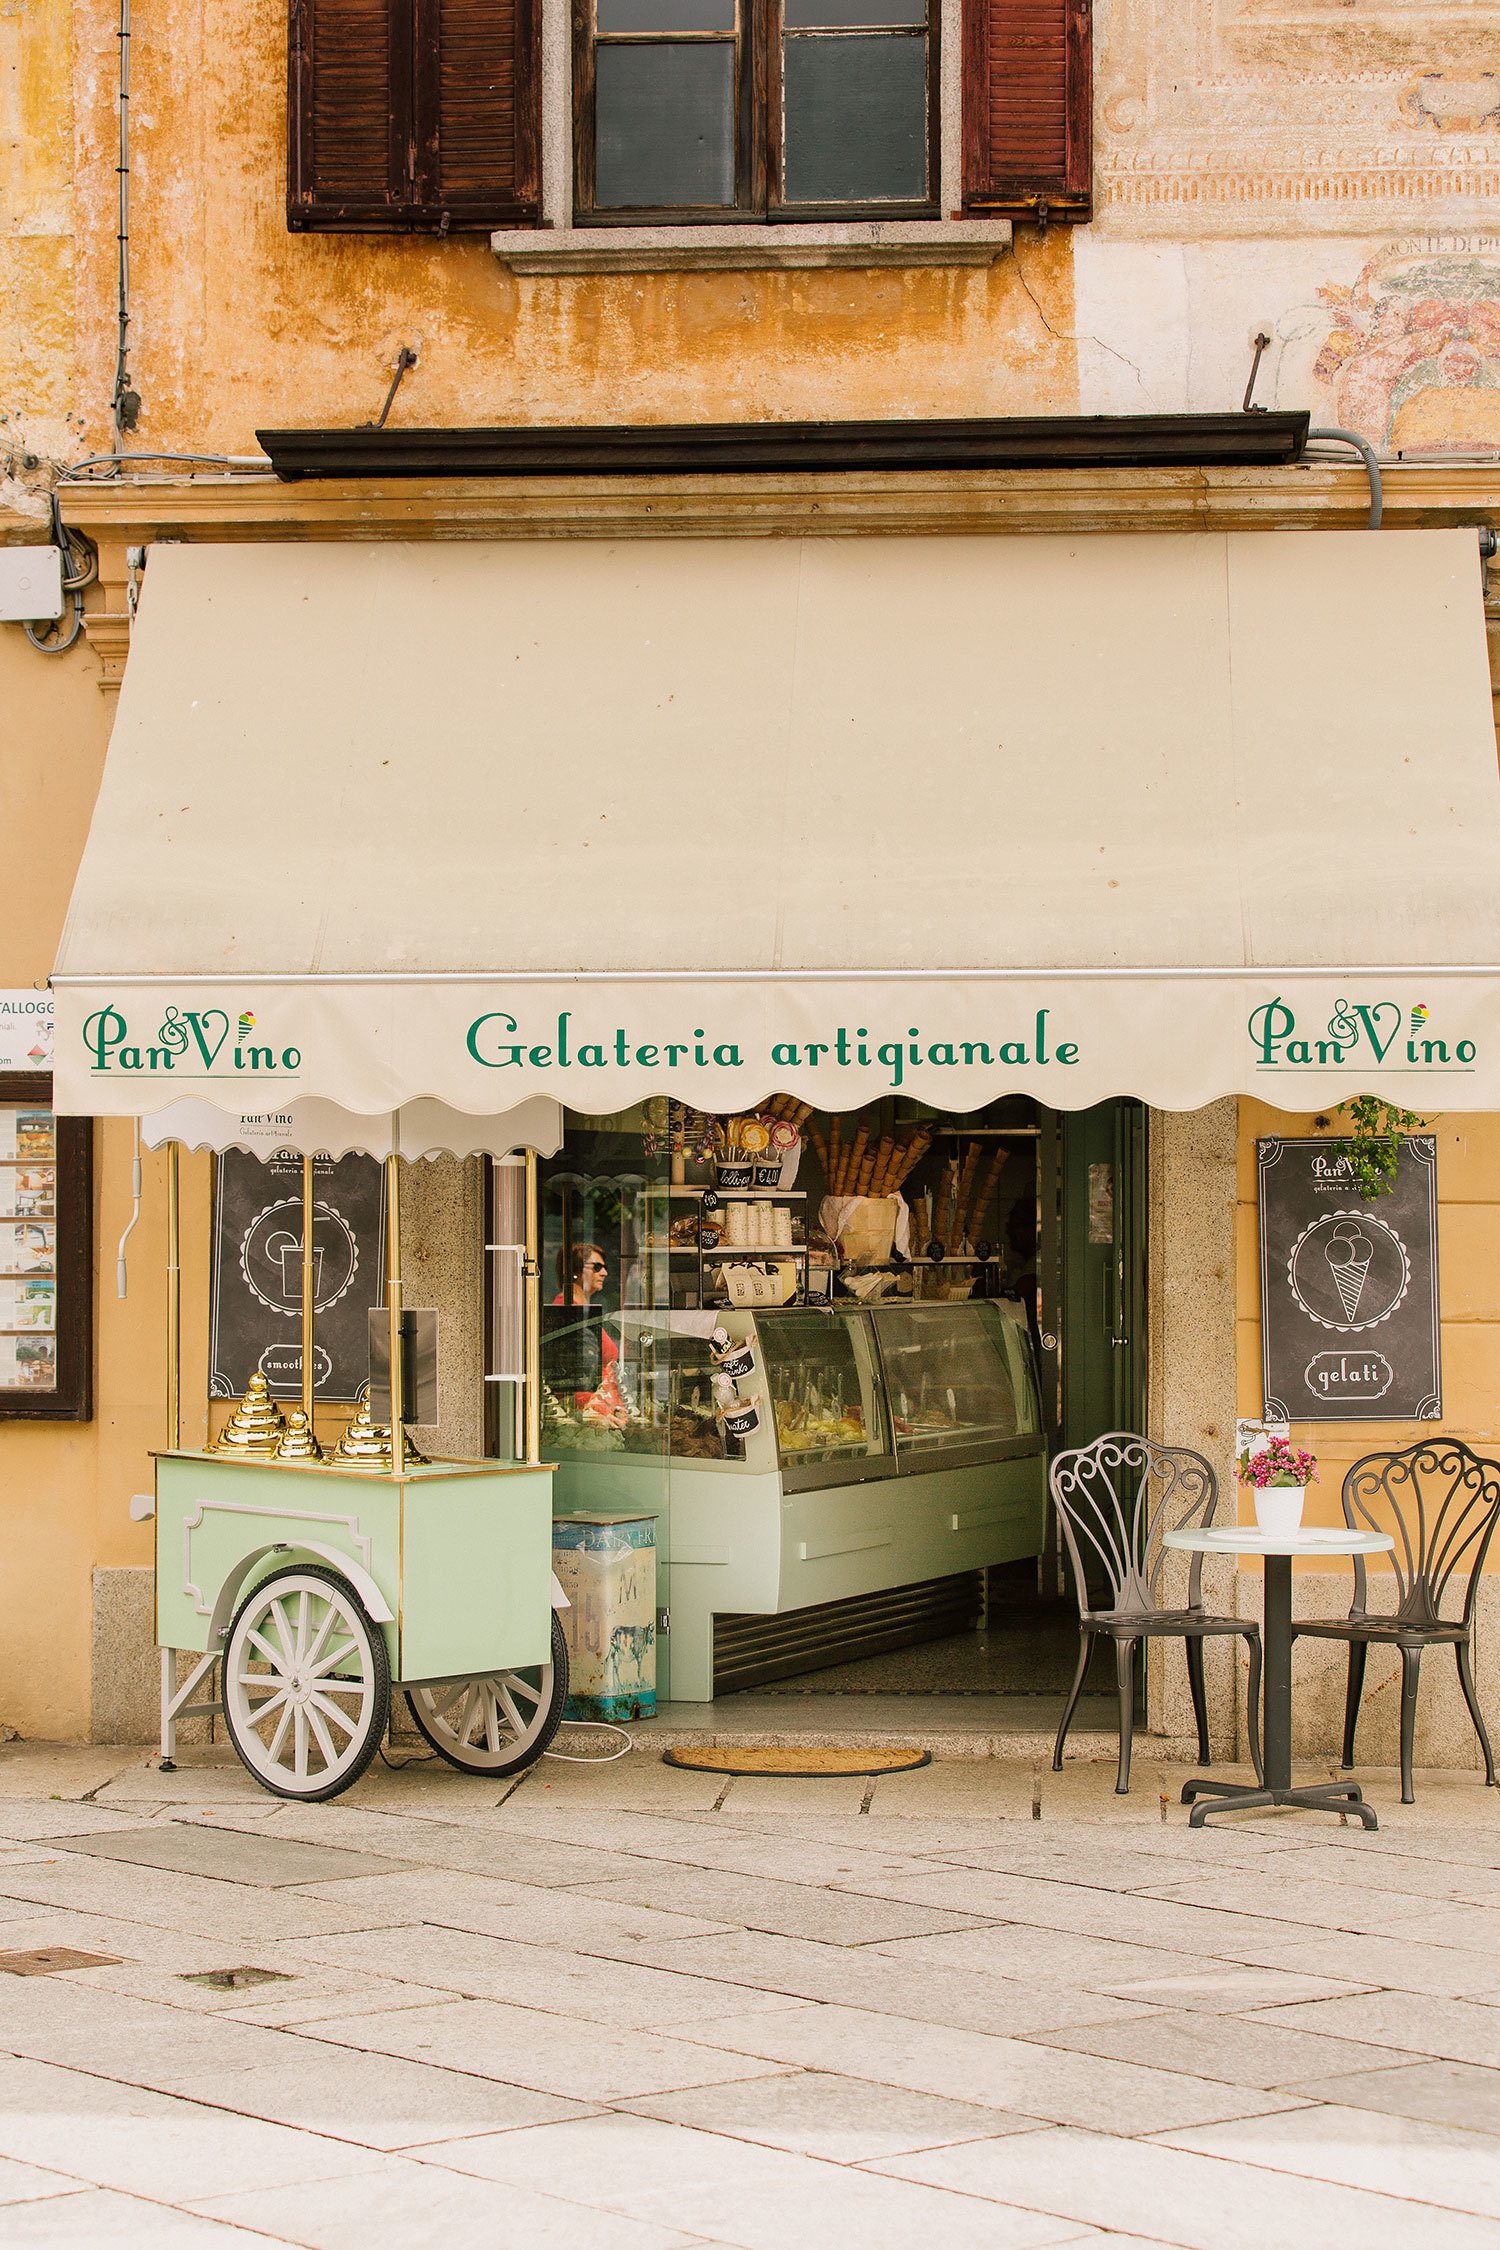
[236,322]
[65,1487]
[1468,1174]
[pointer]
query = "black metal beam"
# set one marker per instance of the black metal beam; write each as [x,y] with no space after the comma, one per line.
[1065,441]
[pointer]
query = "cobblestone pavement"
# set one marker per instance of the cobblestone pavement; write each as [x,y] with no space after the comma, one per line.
[624,2005]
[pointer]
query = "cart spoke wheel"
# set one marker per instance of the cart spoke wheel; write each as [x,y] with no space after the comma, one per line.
[500,1723]
[306,1683]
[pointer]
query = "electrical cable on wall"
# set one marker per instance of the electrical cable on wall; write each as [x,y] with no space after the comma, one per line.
[126,402]
[80,568]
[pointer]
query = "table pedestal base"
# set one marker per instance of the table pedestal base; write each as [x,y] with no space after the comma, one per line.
[1207,1797]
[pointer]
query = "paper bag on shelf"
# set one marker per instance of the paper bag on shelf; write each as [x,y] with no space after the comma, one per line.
[866,1227]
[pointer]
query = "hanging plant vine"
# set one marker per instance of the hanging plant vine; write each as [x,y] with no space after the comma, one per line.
[1372,1144]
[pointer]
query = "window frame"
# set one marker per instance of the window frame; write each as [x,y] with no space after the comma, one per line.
[759,112]
[72,1400]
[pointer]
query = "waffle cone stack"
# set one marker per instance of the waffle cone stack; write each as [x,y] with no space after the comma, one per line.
[255,1428]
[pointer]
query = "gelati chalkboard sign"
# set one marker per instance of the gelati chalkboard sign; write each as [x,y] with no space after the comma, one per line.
[256,1306]
[1348,1288]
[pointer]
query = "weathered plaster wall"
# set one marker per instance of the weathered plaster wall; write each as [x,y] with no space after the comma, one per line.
[37,306]
[1325,172]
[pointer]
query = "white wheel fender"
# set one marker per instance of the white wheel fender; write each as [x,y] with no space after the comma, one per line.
[378,1608]
[559,1598]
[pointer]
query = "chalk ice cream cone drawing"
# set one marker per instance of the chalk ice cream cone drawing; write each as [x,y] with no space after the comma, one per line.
[1349,1252]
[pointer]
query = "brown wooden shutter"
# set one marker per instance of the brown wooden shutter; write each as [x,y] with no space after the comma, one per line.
[413,116]
[1028,107]
[484,70]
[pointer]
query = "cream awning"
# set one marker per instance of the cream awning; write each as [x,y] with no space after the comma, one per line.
[1167,816]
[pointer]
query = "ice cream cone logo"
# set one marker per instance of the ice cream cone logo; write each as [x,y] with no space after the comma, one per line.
[1419,1017]
[1349,1251]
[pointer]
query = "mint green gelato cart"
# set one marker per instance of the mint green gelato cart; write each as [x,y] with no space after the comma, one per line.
[313,1582]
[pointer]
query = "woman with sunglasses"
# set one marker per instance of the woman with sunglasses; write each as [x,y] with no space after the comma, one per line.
[590,1272]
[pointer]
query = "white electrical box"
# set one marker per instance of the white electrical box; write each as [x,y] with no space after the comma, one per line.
[30,584]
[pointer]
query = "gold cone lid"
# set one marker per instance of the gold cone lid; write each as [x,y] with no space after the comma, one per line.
[255,1427]
[298,1444]
[367,1445]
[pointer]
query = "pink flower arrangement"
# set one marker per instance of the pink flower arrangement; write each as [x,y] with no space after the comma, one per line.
[1278,1462]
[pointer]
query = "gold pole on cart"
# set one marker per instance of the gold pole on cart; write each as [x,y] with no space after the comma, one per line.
[532,1272]
[309,1292]
[174,1304]
[393,1300]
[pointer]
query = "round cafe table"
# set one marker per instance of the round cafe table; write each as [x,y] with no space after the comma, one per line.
[1278,1548]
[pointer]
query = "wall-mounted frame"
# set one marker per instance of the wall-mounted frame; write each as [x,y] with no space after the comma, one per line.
[46,1255]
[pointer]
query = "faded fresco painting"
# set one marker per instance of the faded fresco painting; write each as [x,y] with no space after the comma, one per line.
[1412,356]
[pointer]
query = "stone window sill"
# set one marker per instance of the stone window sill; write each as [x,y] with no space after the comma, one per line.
[879,242]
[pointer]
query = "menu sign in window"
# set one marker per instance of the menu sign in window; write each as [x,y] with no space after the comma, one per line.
[45,1282]
[1349,1286]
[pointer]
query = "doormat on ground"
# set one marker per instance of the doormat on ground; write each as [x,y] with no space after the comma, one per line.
[733,1758]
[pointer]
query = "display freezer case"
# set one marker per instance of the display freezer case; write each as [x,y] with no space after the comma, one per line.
[850,1450]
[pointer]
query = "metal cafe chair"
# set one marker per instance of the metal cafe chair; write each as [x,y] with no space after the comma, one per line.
[1442,1502]
[1114,1499]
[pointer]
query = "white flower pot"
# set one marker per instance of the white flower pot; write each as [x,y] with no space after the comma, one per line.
[1278,1507]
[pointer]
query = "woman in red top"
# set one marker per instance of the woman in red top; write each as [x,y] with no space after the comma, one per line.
[590,1272]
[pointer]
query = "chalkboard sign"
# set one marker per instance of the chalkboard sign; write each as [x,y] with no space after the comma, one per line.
[1348,1288]
[256,1315]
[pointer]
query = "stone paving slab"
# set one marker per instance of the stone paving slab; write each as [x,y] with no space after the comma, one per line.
[817,2113]
[755,1902]
[416,2206]
[1420,2163]
[1442,2093]
[1265,2052]
[93,2216]
[1020,2077]
[630,2008]
[866,1976]
[757,2198]
[255,1858]
[1199,2202]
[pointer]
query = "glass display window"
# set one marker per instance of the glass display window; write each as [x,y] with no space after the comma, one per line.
[631,1383]
[959,1379]
[823,1389]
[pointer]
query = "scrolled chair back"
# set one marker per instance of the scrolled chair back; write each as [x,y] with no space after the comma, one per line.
[1115,1498]
[1440,1500]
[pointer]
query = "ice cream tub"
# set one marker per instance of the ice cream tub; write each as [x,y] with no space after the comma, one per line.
[741,1417]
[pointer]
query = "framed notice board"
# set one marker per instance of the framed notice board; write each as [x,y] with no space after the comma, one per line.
[255,1318]
[46,1255]
[1348,1288]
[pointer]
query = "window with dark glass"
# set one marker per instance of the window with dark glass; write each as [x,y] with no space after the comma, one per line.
[718,109]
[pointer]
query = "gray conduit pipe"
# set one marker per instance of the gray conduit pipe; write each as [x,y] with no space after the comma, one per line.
[1363,447]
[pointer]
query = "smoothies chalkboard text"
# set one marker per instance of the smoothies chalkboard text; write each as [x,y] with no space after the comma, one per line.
[257,1272]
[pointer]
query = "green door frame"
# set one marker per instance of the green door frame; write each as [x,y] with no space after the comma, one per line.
[1101,1301]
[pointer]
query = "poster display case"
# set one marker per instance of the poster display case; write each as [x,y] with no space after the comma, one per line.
[46,1255]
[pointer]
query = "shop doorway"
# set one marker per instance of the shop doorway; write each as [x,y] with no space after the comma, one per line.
[1042,1212]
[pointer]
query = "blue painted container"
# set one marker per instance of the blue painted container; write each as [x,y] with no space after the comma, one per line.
[607,1568]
